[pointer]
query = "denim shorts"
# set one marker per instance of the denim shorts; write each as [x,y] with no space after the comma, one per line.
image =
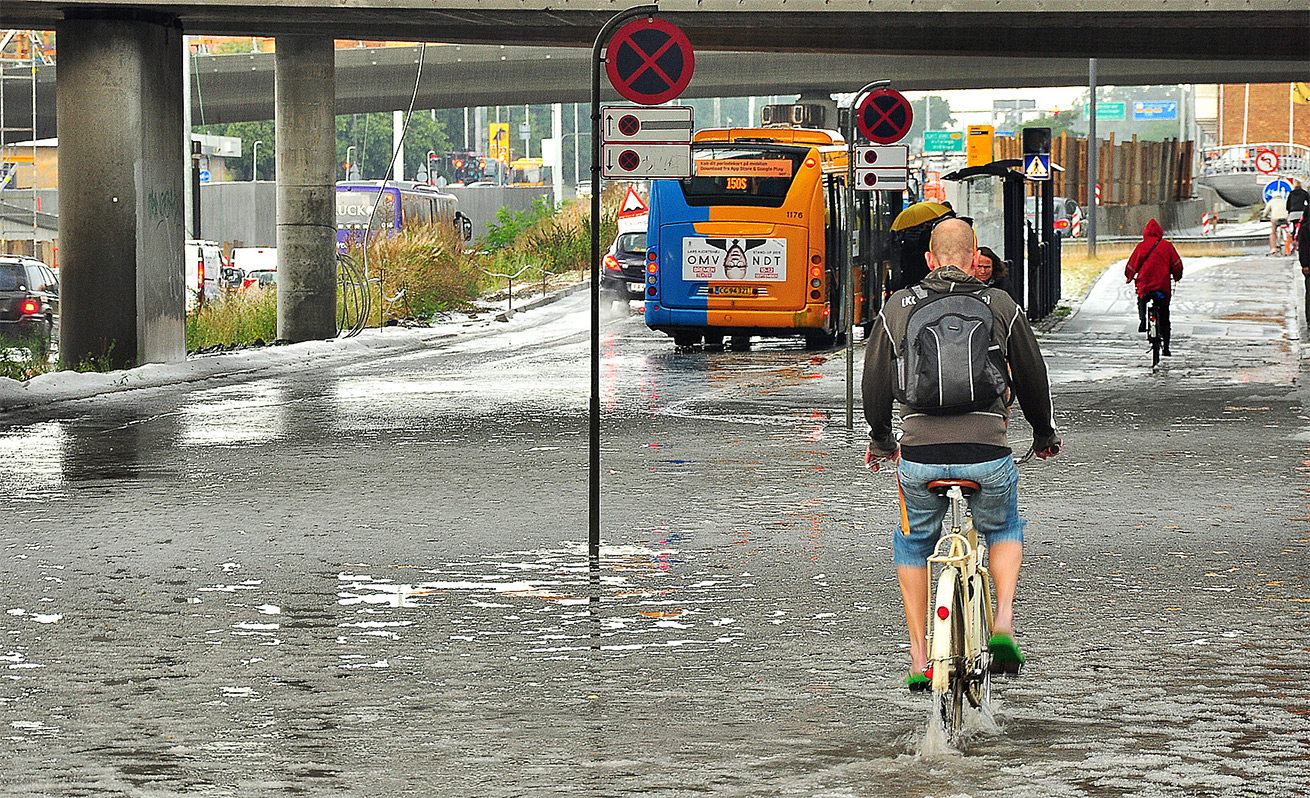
[995,507]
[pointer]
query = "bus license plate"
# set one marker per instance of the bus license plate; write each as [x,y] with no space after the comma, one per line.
[732,290]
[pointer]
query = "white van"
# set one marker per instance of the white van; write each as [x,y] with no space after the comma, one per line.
[204,265]
[249,259]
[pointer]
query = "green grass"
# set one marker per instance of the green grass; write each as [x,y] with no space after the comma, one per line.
[237,319]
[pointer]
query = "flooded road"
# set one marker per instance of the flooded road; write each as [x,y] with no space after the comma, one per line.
[371,578]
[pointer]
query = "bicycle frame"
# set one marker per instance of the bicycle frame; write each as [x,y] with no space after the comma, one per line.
[962,570]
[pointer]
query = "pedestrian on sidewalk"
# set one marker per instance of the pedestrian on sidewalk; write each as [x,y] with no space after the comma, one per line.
[1303,254]
[961,438]
[1155,266]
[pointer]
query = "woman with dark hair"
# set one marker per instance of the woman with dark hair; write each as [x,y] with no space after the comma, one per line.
[991,269]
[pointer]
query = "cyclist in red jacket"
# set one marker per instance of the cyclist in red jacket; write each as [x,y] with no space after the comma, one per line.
[1155,266]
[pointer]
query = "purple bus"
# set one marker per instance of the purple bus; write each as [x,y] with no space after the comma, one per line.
[402,203]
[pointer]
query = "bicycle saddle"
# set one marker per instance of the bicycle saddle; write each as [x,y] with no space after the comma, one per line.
[942,486]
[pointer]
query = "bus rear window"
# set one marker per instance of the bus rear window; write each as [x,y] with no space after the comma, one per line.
[762,174]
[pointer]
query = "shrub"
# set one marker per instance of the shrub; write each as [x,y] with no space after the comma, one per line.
[423,270]
[237,319]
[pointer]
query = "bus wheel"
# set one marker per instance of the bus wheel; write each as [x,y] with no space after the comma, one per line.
[739,343]
[685,340]
[714,342]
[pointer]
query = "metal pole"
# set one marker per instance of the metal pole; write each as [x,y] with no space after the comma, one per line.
[593,482]
[1093,168]
[848,278]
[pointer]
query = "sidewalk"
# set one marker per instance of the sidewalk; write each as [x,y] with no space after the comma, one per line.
[71,385]
[1234,319]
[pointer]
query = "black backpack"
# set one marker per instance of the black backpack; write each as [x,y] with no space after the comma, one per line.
[948,362]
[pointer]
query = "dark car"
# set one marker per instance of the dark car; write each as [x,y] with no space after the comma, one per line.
[29,302]
[624,269]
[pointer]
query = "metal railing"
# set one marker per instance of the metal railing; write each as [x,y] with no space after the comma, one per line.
[1293,159]
[512,277]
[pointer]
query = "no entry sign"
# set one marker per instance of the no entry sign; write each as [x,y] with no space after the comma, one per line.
[884,116]
[649,61]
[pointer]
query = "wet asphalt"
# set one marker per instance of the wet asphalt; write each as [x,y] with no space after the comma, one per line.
[370,577]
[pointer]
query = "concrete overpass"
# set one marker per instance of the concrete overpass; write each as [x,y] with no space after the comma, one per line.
[239,87]
[120,108]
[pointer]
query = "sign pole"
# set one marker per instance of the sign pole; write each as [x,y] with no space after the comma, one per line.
[593,482]
[849,253]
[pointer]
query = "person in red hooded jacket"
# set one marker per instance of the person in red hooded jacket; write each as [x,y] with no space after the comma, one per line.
[1155,266]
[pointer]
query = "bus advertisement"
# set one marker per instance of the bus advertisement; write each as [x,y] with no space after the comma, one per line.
[752,243]
[401,204]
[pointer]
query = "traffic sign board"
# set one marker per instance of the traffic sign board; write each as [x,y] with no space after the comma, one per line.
[649,61]
[1266,161]
[1149,109]
[1036,166]
[1107,112]
[644,161]
[204,175]
[885,157]
[1277,188]
[627,123]
[882,179]
[943,141]
[884,116]
[881,168]
[632,205]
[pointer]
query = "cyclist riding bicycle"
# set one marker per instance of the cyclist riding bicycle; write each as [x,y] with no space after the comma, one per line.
[1155,267]
[1297,201]
[970,444]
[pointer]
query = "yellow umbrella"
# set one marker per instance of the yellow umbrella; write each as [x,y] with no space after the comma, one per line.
[917,214]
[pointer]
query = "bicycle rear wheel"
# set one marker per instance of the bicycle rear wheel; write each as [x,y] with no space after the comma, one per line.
[950,670]
[1153,335]
[979,689]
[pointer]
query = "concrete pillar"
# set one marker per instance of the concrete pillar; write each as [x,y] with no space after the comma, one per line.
[306,189]
[121,171]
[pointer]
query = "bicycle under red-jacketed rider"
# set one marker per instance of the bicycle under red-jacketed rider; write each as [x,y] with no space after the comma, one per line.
[970,445]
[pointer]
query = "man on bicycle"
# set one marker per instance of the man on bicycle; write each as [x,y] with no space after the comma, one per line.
[1155,266]
[970,445]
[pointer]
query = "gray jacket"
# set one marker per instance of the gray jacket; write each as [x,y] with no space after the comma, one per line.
[1010,331]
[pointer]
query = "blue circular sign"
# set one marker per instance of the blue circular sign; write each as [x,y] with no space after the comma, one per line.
[1277,188]
[204,176]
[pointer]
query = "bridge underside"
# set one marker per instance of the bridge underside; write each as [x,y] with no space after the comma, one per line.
[1126,29]
[239,87]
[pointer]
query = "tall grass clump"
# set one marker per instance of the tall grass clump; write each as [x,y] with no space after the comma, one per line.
[237,319]
[423,269]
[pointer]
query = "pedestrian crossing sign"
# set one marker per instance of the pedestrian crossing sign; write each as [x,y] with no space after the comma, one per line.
[1037,166]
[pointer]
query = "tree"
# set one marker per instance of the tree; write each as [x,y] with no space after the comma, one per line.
[933,111]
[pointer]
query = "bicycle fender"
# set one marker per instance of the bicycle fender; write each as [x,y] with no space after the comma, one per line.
[939,645]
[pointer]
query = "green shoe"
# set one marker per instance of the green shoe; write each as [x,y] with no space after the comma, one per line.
[1006,656]
[918,682]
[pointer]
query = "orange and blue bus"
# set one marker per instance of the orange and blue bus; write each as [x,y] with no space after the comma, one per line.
[753,243]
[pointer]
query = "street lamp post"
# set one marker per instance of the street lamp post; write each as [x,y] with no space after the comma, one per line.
[254,161]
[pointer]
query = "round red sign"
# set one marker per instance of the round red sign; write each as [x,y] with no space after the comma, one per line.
[649,61]
[884,116]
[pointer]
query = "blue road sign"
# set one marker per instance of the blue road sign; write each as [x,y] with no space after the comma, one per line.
[204,175]
[1149,109]
[1037,165]
[1277,188]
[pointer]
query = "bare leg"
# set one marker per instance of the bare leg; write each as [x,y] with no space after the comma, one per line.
[914,594]
[1003,561]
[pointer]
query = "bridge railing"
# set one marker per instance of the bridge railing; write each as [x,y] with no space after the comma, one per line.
[1293,159]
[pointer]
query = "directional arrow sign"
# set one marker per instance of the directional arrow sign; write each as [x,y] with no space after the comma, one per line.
[644,161]
[882,168]
[626,123]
